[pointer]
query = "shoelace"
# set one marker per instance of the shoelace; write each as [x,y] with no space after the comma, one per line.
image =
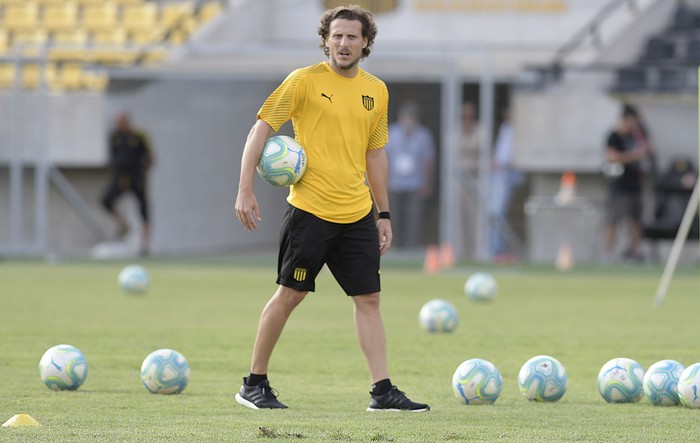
[268,392]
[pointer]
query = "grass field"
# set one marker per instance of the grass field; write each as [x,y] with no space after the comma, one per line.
[208,311]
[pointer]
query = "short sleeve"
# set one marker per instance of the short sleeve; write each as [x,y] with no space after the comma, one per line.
[380,135]
[281,105]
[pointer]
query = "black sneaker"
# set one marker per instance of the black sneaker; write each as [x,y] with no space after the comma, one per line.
[395,400]
[261,396]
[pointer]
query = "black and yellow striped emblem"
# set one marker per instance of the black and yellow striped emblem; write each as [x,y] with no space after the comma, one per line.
[299,274]
[368,102]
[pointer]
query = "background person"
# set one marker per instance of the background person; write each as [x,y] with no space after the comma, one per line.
[411,153]
[131,157]
[626,148]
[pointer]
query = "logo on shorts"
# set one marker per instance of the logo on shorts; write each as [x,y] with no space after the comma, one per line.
[299,274]
[368,102]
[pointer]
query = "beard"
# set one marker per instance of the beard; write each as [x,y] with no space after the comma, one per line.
[347,66]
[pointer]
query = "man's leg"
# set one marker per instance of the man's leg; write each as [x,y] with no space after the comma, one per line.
[370,333]
[272,320]
[256,393]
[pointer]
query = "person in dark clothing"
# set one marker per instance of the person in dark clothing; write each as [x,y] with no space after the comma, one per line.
[626,148]
[130,159]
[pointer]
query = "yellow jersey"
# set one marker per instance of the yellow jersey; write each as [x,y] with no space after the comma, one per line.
[336,119]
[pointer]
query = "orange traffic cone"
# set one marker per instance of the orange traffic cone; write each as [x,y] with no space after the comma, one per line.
[565,258]
[431,264]
[567,189]
[447,256]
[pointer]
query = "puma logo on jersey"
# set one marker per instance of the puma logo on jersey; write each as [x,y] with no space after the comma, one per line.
[329,97]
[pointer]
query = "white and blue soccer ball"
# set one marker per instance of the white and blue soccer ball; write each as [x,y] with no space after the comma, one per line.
[282,162]
[661,382]
[620,381]
[134,279]
[543,378]
[689,386]
[165,371]
[481,287]
[477,382]
[63,368]
[438,316]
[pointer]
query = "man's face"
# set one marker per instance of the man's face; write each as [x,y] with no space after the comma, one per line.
[345,43]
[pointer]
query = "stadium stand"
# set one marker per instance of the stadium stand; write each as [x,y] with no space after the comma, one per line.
[670,58]
[78,35]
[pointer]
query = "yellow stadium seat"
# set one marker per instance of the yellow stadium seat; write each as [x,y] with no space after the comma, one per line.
[170,13]
[7,75]
[114,37]
[20,16]
[208,11]
[47,3]
[129,2]
[99,16]
[140,17]
[69,45]
[95,80]
[85,3]
[58,17]
[145,37]
[31,75]
[70,76]
[30,42]
[109,46]
[4,43]
[4,3]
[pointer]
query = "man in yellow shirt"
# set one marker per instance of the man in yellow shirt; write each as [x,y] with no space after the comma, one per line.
[339,114]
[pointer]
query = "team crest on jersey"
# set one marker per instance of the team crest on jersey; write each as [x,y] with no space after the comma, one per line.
[368,102]
[299,274]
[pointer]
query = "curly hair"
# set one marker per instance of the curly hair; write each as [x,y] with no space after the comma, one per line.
[352,12]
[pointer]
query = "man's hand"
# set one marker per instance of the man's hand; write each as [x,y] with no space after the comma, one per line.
[385,235]
[247,211]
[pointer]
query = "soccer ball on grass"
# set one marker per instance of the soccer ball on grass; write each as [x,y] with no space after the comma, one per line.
[543,378]
[620,381]
[438,316]
[661,382]
[689,386]
[481,287]
[134,279]
[477,382]
[63,368]
[165,371]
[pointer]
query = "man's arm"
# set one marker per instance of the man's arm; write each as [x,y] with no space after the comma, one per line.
[247,210]
[377,176]
[627,157]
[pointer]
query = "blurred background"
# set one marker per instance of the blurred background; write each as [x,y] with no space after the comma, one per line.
[519,98]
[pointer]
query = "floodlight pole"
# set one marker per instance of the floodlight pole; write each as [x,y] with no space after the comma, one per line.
[677,247]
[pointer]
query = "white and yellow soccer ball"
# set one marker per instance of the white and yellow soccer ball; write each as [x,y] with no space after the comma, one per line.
[438,316]
[661,382]
[477,382]
[689,386]
[543,378]
[481,287]
[165,371]
[134,279]
[282,162]
[63,368]
[620,381]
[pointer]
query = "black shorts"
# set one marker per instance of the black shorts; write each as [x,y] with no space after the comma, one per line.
[351,251]
[623,205]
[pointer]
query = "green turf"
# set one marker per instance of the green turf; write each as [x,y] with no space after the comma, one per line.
[208,311]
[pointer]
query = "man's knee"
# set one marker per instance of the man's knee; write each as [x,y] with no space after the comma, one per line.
[367,301]
[290,297]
